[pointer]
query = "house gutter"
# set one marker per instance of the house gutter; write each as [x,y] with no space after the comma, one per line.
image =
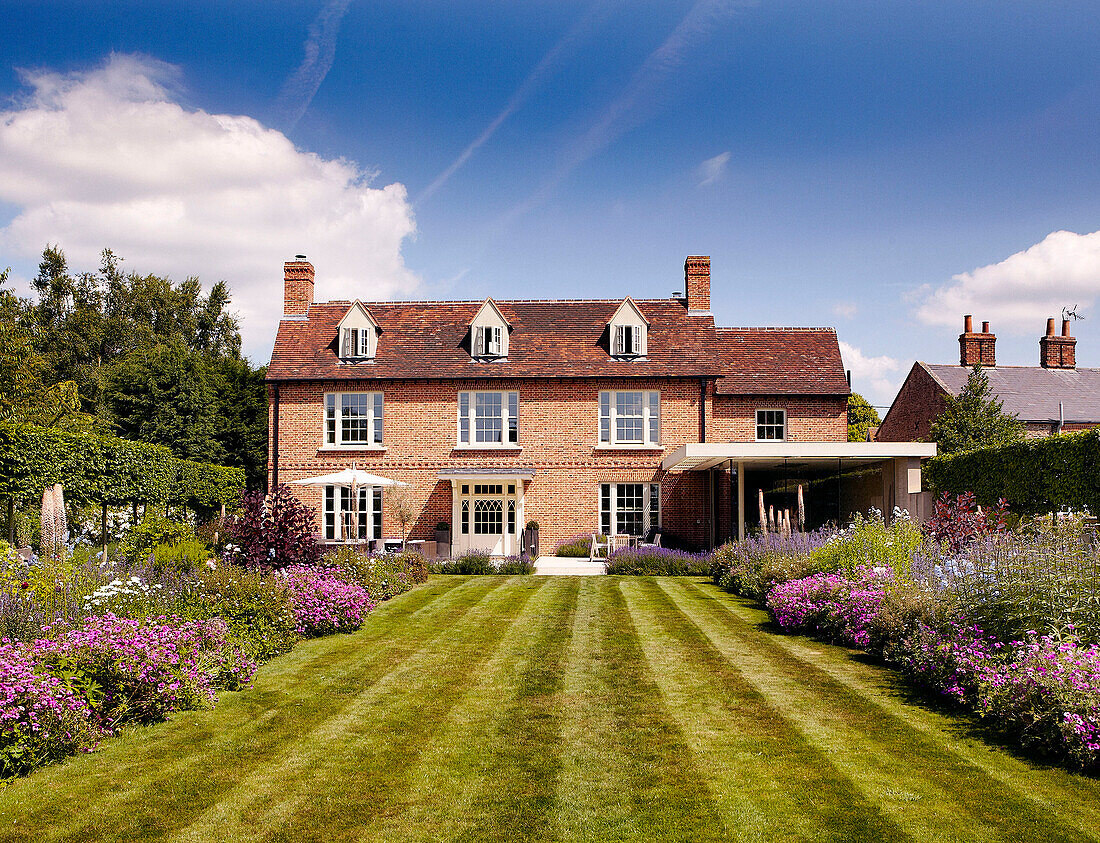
[275,441]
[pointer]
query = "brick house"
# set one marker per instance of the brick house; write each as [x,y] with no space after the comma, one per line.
[1050,398]
[582,415]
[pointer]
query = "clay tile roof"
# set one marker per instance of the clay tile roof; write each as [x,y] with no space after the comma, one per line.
[780,361]
[547,339]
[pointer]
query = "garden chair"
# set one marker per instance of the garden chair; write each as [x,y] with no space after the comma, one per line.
[655,543]
[595,547]
[618,542]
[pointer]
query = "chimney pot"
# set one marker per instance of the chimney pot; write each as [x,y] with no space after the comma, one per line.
[1065,327]
[968,324]
[1050,327]
[697,283]
[985,327]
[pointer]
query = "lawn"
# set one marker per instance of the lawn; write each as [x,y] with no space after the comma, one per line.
[599,708]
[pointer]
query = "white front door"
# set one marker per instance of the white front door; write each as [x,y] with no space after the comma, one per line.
[486,517]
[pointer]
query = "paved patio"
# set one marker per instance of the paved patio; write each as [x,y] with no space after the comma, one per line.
[558,566]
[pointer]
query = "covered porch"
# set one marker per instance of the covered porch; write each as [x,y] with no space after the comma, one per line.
[837,480]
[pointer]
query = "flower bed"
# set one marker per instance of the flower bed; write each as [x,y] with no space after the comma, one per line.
[323,603]
[658,562]
[1001,622]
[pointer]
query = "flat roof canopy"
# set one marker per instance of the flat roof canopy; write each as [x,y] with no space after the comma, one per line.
[699,456]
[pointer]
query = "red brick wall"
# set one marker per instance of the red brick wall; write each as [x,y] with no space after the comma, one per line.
[910,417]
[809,419]
[558,435]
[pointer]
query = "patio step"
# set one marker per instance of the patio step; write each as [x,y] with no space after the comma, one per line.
[559,566]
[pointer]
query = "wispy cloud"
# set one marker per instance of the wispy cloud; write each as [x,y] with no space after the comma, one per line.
[712,169]
[587,24]
[628,110]
[1018,293]
[320,51]
[845,309]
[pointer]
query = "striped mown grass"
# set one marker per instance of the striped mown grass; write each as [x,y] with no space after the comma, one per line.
[534,708]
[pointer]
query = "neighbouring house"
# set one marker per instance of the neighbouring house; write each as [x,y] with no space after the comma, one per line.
[632,416]
[1050,398]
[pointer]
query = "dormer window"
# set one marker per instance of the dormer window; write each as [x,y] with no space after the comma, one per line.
[489,333]
[487,341]
[628,331]
[358,334]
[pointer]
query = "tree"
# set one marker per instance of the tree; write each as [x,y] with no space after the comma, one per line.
[975,419]
[861,417]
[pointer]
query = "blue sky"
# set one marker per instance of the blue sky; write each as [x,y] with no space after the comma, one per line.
[879,167]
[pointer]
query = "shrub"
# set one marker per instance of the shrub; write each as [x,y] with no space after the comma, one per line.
[475,563]
[658,562]
[273,531]
[134,670]
[257,609]
[151,531]
[383,576]
[183,558]
[43,719]
[323,603]
[834,606]
[577,547]
[957,523]
[869,542]
[755,566]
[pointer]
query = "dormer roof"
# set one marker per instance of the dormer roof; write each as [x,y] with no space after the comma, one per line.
[630,309]
[489,307]
[360,310]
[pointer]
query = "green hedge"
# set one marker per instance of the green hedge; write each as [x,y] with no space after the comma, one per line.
[1036,476]
[107,469]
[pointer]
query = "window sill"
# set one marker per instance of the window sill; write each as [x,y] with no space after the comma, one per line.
[375,448]
[628,447]
[485,447]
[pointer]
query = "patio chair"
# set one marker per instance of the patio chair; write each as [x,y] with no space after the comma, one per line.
[655,543]
[618,542]
[595,546]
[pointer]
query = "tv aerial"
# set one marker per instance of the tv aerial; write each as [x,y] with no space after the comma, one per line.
[1071,314]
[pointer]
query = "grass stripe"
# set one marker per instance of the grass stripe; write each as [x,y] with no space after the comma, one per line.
[315,782]
[457,764]
[770,782]
[1074,798]
[184,765]
[626,772]
[924,787]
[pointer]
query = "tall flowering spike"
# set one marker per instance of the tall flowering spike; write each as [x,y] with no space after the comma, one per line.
[61,521]
[801,509]
[49,522]
[763,515]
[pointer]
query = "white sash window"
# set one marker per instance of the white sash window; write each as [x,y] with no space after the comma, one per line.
[630,418]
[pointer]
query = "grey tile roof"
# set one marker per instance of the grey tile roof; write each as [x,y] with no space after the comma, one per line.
[1032,393]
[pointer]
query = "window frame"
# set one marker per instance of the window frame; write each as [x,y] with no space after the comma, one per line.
[607,413]
[466,423]
[488,341]
[358,343]
[782,424]
[369,526]
[609,496]
[636,334]
[332,428]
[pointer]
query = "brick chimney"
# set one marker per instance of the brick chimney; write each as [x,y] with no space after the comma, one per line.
[697,283]
[298,286]
[1058,352]
[977,346]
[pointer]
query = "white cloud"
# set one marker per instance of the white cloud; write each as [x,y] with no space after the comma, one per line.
[1017,294]
[875,378]
[108,158]
[845,309]
[712,169]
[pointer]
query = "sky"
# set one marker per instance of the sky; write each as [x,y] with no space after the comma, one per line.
[879,167]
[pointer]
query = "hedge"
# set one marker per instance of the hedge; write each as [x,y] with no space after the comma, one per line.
[1036,476]
[108,469]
